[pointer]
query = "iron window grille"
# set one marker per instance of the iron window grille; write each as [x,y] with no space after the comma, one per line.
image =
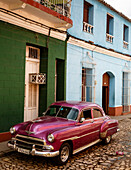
[88,86]
[126,91]
[61,6]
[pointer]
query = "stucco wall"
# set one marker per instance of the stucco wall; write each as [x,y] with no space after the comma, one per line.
[13,42]
[114,64]
[99,23]
[104,63]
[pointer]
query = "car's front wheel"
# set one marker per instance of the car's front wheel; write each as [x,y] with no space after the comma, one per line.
[65,152]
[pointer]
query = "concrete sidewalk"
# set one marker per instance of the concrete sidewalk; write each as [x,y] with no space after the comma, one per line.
[4,148]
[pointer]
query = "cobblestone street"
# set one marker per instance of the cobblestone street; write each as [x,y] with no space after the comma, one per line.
[116,155]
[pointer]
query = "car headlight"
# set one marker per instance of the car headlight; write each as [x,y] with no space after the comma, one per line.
[50,138]
[12,130]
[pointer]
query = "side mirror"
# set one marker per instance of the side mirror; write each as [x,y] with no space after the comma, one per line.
[82,119]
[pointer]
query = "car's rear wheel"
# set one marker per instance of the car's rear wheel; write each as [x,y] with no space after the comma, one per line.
[107,139]
[65,152]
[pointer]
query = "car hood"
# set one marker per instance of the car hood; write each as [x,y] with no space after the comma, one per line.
[43,125]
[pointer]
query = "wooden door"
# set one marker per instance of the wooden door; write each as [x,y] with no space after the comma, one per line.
[31,90]
[105,92]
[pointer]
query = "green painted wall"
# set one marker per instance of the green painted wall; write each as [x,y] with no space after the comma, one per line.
[43,88]
[57,50]
[13,42]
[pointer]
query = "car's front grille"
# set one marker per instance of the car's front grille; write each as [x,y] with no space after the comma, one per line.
[27,142]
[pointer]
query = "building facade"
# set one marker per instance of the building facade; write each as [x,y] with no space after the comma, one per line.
[99,56]
[33,56]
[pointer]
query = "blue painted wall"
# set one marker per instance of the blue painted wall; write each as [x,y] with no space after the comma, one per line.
[99,23]
[113,66]
[104,63]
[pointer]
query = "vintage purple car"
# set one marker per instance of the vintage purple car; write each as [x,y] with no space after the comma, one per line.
[66,128]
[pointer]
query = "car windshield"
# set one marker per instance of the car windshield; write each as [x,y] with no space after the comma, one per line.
[64,112]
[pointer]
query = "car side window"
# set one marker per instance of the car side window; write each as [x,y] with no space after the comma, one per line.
[87,114]
[97,113]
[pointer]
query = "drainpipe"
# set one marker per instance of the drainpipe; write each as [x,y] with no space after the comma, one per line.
[47,41]
[66,40]
[94,80]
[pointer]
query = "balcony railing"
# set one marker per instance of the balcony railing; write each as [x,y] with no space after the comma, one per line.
[88,28]
[61,6]
[125,44]
[109,38]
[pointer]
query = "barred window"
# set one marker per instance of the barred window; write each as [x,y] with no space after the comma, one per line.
[126,92]
[87,84]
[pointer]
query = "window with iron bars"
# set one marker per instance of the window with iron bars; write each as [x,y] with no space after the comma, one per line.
[126,92]
[33,53]
[87,87]
[61,6]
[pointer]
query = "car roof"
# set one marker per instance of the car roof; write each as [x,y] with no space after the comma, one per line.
[77,104]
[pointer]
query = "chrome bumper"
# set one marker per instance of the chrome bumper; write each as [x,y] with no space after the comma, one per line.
[33,151]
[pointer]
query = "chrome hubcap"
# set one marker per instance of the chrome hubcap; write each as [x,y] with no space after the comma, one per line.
[64,153]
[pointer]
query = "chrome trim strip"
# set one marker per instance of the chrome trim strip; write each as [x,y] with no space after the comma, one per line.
[112,128]
[48,147]
[89,133]
[29,137]
[35,152]
[10,145]
[77,137]
[29,132]
[111,122]
[45,154]
[86,146]
[73,138]
[28,142]
[30,127]
[13,139]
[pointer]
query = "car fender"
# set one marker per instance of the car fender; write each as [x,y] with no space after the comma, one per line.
[103,130]
[108,128]
[65,135]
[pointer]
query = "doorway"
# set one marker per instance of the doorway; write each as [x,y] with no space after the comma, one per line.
[105,93]
[59,79]
[31,100]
